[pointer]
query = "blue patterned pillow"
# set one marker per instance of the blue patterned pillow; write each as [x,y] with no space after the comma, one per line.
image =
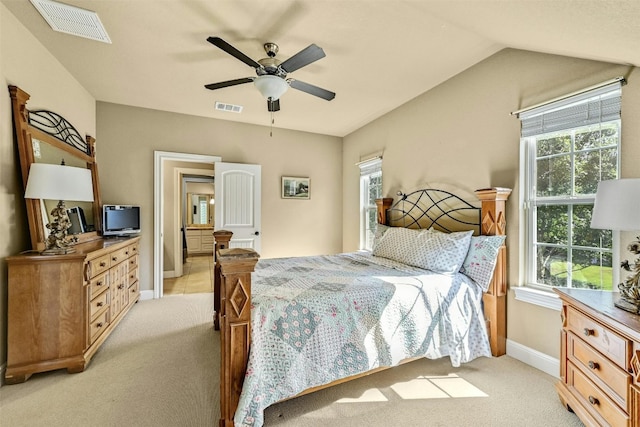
[441,252]
[482,258]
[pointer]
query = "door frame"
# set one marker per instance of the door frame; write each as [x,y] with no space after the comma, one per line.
[159,159]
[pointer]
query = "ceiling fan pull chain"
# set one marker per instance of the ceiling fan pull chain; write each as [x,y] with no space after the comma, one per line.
[271,128]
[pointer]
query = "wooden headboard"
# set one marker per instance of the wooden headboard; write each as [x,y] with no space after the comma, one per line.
[447,212]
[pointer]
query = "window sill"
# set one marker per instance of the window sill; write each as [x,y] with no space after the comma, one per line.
[538,297]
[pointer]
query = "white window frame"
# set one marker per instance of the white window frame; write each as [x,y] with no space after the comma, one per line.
[368,169]
[540,294]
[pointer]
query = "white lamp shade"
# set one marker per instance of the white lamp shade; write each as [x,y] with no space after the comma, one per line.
[617,205]
[59,182]
[271,86]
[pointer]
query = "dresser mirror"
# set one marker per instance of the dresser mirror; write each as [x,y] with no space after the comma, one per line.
[45,137]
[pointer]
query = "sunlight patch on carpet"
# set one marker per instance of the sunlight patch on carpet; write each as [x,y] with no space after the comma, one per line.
[437,387]
[423,387]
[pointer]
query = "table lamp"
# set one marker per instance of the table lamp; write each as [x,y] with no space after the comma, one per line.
[59,182]
[617,207]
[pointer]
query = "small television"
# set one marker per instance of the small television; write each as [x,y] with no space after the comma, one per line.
[120,220]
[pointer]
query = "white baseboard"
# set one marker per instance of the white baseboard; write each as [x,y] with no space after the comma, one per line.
[538,360]
[169,274]
[146,295]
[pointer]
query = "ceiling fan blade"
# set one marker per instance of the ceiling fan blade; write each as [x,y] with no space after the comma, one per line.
[273,105]
[214,86]
[217,41]
[305,57]
[312,90]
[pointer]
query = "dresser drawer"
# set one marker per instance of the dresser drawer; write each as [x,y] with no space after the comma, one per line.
[98,304]
[131,250]
[133,262]
[134,291]
[98,285]
[118,256]
[607,342]
[133,275]
[594,399]
[98,265]
[599,368]
[99,325]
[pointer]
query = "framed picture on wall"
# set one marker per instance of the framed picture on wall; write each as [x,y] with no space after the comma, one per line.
[296,187]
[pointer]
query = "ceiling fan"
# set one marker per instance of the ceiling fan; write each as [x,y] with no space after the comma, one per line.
[271,80]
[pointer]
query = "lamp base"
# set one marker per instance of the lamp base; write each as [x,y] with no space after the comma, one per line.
[628,305]
[58,251]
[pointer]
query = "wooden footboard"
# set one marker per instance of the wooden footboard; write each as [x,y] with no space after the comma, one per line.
[232,298]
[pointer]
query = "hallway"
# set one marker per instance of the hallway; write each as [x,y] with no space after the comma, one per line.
[197,277]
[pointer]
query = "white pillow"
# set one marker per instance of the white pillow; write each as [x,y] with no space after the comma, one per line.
[441,252]
[397,243]
[377,236]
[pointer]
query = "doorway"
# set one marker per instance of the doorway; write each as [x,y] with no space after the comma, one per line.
[161,161]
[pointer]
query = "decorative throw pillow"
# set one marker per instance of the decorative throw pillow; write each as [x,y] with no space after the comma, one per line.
[397,243]
[481,259]
[440,252]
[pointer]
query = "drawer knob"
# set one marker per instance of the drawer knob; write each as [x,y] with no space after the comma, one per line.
[594,365]
[99,283]
[588,332]
[103,264]
[115,258]
[99,325]
[100,304]
[593,400]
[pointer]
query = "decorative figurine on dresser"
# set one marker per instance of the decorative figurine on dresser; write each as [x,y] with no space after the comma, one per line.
[67,294]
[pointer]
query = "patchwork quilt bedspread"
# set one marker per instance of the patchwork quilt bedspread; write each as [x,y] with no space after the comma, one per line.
[322,318]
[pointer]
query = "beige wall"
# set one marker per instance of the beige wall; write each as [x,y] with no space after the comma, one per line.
[25,63]
[461,132]
[129,136]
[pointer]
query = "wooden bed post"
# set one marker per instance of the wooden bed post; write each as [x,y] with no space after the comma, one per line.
[494,222]
[221,238]
[235,268]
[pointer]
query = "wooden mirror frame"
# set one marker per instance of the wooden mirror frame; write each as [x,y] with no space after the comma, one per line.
[54,130]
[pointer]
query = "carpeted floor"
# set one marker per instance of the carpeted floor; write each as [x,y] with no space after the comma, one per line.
[160,368]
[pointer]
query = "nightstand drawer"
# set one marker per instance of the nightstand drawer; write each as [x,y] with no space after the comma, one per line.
[594,399]
[600,369]
[607,342]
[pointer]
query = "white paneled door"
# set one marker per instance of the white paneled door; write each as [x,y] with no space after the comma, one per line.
[237,203]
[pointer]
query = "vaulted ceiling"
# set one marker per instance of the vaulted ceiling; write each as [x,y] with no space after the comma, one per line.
[380,54]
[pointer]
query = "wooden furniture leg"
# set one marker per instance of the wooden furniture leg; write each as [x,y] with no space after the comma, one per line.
[494,223]
[235,268]
[221,239]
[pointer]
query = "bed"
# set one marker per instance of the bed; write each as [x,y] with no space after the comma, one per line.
[290,326]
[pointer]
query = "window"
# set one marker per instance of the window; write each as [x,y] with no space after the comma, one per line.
[370,190]
[568,146]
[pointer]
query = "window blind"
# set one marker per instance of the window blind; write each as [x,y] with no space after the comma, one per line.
[370,166]
[589,107]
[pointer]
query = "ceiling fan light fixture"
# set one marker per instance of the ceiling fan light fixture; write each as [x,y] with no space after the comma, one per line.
[271,86]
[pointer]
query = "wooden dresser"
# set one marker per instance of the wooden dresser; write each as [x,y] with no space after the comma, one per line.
[600,359]
[61,308]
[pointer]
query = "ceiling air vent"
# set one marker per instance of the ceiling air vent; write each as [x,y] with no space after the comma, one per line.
[230,108]
[72,20]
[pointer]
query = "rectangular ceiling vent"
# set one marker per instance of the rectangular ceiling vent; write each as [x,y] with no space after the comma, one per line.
[72,20]
[229,108]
